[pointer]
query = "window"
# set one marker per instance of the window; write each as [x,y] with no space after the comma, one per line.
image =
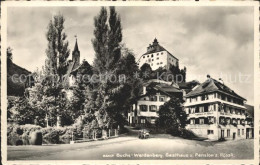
[152,59]
[153,120]
[192,121]
[210,132]
[201,121]
[143,56]
[161,63]
[153,98]
[211,120]
[201,109]
[157,53]
[153,108]
[151,64]
[143,108]
[162,98]
[157,58]
[243,131]
[152,55]
[161,53]
[147,55]
[158,63]
[238,132]
[143,121]
[228,132]
[228,120]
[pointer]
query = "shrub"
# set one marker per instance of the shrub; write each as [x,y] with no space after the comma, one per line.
[173,131]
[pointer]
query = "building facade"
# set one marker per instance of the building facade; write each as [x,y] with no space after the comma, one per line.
[157,56]
[217,112]
[154,94]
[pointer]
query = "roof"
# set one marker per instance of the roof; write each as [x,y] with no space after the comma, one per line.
[156,47]
[249,110]
[154,86]
[188,85]
[212,85]
[167,88]
[72,67]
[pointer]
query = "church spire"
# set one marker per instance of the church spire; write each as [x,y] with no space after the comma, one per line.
[76,54]
[76,48]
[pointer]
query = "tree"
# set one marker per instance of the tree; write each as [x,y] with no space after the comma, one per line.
[106,100]
[55,68]
[114,37]
[146,71]
[57,51]
[100,41]
[171,115]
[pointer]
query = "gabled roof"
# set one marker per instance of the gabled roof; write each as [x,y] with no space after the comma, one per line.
[156,47]
[188,85]
[212,85]
[153,86]
[249,110]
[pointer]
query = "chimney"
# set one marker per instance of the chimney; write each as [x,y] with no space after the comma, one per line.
[220,79]
[144,90]
[208,77]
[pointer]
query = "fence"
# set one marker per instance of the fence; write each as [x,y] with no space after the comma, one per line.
[99,134]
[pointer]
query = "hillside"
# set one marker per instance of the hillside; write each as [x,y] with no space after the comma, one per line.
[15,88]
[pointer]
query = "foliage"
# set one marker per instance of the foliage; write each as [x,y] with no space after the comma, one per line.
[107,101]
[23,113]
[171,115]
[57,51]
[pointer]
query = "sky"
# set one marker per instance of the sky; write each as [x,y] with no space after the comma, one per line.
[207,40]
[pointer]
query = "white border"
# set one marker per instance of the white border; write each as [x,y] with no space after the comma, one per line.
[4,6]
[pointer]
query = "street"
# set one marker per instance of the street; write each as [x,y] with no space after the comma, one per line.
[130,147]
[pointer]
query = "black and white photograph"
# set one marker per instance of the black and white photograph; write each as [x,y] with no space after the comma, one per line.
[129,81]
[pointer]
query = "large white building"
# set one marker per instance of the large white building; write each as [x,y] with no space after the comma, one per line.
[155,93]
[157,56]
[217,112]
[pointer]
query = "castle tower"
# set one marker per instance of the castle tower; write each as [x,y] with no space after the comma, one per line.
[76,54]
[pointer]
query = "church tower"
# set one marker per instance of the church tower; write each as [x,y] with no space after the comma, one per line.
[76,55]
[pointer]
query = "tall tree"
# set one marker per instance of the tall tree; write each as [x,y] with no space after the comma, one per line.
[108,103]
[57,51]
[100,40]
[114,38]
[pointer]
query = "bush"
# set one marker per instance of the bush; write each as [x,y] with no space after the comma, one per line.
[51,134]
[181,132]
[173,131]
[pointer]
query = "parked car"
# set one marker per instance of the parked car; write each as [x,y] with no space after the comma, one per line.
[143,134]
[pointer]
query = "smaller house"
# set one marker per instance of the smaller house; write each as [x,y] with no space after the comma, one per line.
[154,94]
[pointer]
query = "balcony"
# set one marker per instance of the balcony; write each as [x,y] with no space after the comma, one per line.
[202,114]
[231,115]
[147,114]
[212,101]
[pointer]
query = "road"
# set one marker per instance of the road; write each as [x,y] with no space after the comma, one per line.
[130,147]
